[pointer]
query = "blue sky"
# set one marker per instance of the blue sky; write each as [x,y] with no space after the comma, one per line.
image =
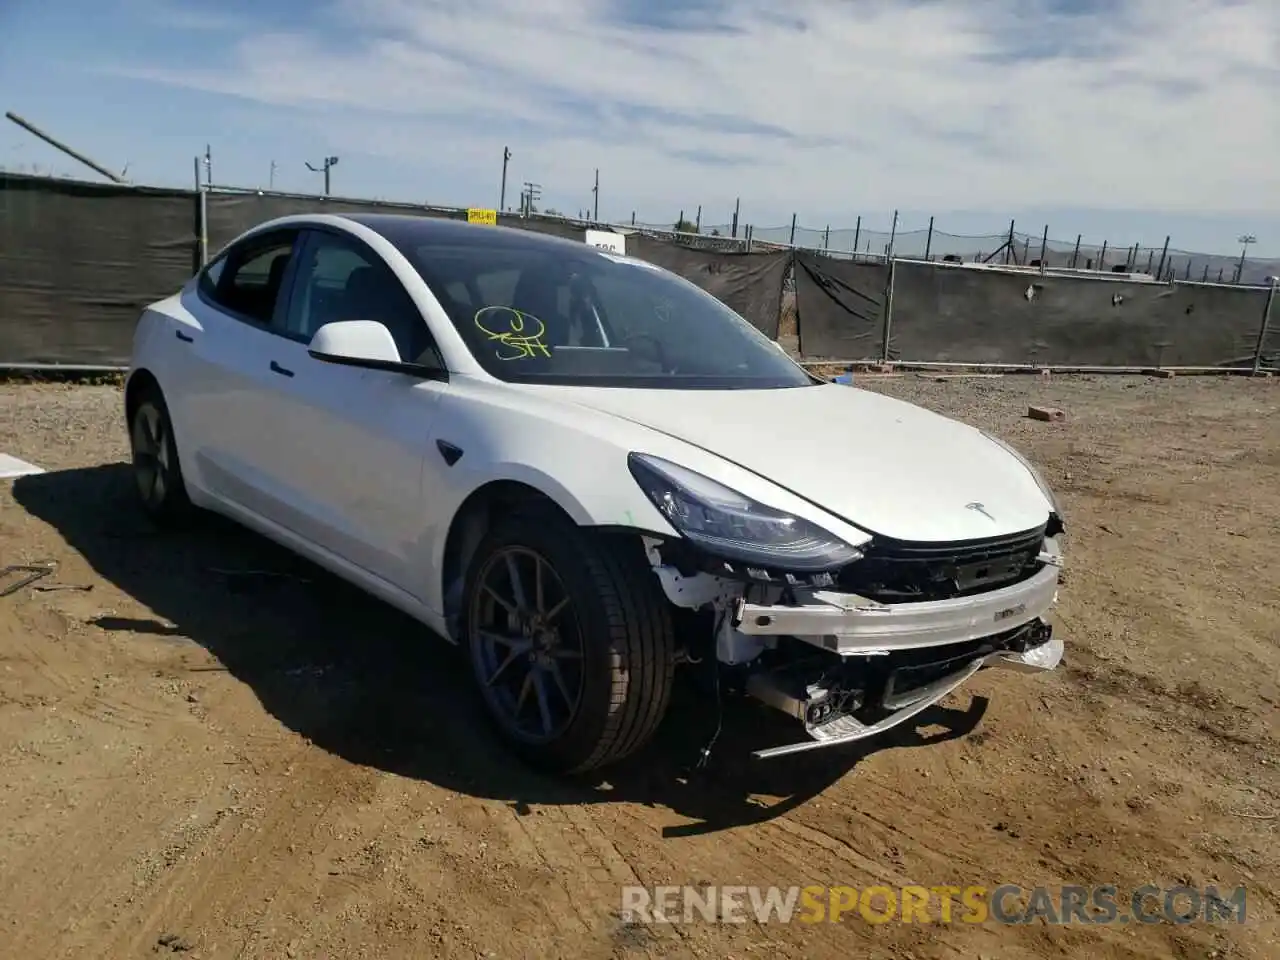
[1120,119]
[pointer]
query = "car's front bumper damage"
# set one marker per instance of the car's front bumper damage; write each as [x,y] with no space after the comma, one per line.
[849,667]
[897,706]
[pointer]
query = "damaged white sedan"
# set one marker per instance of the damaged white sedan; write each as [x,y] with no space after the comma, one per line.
[590,474]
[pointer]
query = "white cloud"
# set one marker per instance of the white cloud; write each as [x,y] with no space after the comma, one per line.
[1156,104]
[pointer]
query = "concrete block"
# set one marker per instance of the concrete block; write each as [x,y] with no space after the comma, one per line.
[1047,414]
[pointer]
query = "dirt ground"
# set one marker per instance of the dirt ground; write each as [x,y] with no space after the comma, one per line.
[201,761]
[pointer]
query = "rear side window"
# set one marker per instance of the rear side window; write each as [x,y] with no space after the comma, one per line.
[247,279]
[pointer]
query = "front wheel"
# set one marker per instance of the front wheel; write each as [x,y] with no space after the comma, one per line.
[571,641]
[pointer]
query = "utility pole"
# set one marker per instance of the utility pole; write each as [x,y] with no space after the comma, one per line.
[271,183]
[1244,240]
[329,162]
[532,192]
[502,197]
[595,192]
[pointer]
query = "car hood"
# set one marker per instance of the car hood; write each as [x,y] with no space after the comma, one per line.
[887,466]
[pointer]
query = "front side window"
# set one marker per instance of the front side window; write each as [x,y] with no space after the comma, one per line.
[540,314]
[341,279]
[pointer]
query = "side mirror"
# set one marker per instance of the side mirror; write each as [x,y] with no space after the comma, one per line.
[355,343]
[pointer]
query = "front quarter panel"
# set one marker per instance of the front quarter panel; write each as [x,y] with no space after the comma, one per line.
[575,456]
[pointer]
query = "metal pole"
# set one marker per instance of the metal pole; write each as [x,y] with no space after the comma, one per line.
[857,232]
[1076,255]
[737,206]
[595,191]
[1164,256]
[888,312]
[826,238]
[1008,250]
[1044,246]
[928,241]
[1262,333]
[202,219]
[1102,257]
[208,165]
[1151,256]
[697,224]
[793,230]
[1205,278]
[58,145]
[502,196]
[893,236]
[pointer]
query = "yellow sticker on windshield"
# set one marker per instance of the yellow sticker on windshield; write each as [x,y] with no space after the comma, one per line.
[513,329]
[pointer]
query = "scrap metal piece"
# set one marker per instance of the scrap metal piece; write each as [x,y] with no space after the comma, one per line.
[33,573]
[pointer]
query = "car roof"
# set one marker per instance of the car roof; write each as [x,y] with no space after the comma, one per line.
[409,230]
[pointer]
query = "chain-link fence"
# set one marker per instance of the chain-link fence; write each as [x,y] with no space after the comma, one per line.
[1011,246]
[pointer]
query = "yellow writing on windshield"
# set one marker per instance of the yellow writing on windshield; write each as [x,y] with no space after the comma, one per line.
[519,333]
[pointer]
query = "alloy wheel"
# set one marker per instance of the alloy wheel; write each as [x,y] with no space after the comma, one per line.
[527,644]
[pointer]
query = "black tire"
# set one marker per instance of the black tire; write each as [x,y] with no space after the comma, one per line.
[616,615]
[157,472]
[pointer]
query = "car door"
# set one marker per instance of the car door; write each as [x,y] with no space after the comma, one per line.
[348,444]
[238,305]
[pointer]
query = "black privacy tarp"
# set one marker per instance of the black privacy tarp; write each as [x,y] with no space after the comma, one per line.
[963,315]
[750,283]
[231,214]
[840,307]
[79,261]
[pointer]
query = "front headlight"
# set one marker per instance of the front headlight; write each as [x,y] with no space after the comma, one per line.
[1031,468]
[730,526]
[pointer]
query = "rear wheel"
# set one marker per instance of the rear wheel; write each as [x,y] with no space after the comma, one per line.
[570,641]
[156,470]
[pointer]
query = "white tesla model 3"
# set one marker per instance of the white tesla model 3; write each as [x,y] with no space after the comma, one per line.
[589,473]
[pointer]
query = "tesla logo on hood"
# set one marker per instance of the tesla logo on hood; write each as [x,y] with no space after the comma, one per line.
[979,508]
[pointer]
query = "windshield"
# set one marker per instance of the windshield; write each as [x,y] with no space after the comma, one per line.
[534,314]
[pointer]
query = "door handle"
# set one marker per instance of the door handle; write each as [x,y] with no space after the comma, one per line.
[183,337]
[276,368]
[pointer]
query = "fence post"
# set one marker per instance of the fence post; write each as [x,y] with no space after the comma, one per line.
[888,312]
[928,241]
[202,219]
[1205,278]
[1187,275]
[633,218]
[1076,254]
[1262,333]
[888,295]
[697,224]
[793,230]
[1102,257]
[826,238]
[1044,246]
[1008,249]
[733,229]
[1164,255]
[857,233]
[1151,258]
